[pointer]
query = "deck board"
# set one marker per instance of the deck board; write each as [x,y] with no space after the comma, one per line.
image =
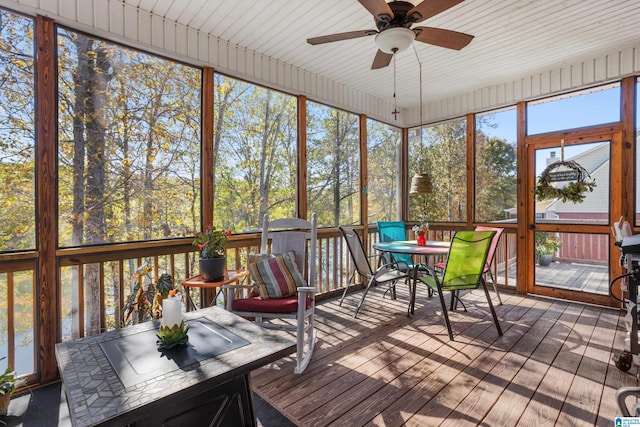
[551,367]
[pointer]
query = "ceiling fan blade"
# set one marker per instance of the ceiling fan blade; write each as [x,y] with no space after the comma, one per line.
[377,8]
[381,60]
[341,36]
[443,38]
[429,8]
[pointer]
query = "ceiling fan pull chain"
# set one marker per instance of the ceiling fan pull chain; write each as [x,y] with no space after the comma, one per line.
[395,101]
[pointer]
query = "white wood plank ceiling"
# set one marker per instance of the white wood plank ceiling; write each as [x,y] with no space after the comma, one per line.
[513,38]
[523,49]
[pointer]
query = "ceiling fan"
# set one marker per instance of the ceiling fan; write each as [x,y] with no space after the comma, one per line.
[394,33]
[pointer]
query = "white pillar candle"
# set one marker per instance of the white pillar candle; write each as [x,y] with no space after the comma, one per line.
[171,311]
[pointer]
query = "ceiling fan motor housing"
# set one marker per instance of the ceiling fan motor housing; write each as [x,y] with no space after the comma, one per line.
[395,34]
[400,19]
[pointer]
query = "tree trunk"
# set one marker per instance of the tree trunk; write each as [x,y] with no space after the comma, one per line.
[80,86]
[95,184]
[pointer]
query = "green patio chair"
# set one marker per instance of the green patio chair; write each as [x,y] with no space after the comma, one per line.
[464,270]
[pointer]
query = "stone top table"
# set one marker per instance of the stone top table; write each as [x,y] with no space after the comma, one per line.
[120,377]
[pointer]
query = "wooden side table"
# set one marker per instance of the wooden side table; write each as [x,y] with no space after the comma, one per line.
[230,276]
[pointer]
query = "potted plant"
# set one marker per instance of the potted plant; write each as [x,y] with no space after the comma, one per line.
[546,245]
[8,384]
[145,301]
[212,243]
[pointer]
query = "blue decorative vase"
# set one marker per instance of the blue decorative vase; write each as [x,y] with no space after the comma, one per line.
[212,269]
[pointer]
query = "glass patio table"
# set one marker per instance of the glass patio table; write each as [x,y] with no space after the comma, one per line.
[432,248]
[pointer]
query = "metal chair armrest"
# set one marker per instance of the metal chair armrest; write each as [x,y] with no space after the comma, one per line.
[393,266]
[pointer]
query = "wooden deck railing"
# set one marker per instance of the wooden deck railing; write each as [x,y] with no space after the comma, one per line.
[94,282]
[87,309]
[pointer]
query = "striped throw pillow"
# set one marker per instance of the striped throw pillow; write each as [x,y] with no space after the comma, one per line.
[277,276]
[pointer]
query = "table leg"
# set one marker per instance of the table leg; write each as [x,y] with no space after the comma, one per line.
[412,299]
[189,301]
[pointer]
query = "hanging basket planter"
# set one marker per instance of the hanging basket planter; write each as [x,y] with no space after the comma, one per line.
[564,171]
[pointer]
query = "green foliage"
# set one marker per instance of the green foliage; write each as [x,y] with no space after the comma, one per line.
[145,300]
[17,133]
[546,243]
[496,177]
[8,380]
[383,142]
[164,285]
[171,336]
[444,156]
[574,191]
[129,139]
[211,242]
[255,141]
[333,165]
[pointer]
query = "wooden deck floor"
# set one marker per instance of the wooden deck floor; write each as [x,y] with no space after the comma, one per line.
[551,367]
[576,277]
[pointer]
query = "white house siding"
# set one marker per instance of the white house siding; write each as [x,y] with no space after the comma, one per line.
[587,248]
[596,203]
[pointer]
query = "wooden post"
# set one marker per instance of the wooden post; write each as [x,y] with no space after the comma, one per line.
[46,191]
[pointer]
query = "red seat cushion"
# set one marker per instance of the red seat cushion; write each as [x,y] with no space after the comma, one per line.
[259,305]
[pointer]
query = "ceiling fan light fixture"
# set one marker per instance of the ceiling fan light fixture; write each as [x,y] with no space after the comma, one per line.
[395,39]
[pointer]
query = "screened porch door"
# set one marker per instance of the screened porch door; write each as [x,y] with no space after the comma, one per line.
[571,250]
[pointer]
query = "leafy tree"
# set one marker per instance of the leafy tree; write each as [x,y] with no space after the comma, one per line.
[17,176]
[332,165]
[256,154]
[383,149]
[496,177]
[444,156]
[129,151]
[135,141]
[17,133]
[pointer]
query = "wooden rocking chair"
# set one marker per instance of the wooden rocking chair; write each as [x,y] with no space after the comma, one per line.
[286,279]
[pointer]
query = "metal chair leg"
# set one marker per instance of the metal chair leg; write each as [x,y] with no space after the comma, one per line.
[351,278]
[445,315]
[493,310]
[495,286]
[363,296]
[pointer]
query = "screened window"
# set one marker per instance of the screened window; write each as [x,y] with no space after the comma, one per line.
[496,174]
[595,158]
[255,146]
[442,153]
[129,144]
[17,190]
[383,154]
[585,108]
[17,133]
[333,165]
